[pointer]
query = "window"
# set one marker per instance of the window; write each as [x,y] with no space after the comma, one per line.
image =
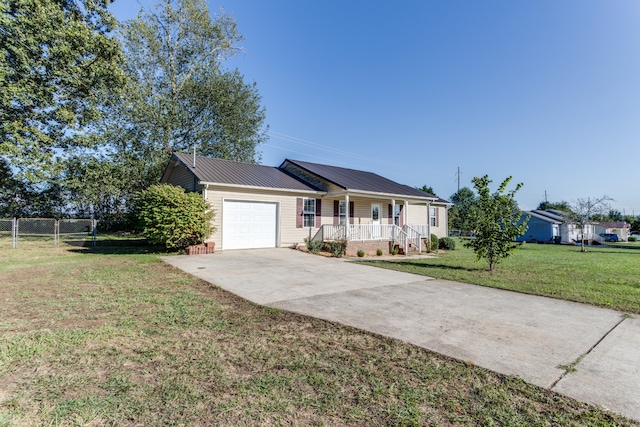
[309,212]
[396,214]
[342,212]
[432,217]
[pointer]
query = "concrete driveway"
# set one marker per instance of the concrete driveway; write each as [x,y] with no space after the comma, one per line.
[534,338]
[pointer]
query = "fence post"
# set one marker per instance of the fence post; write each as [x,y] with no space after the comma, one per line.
[56,231]
[17,230]
[14,233]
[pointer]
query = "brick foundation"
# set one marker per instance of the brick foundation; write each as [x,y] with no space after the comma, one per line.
[369,248]
[205,248]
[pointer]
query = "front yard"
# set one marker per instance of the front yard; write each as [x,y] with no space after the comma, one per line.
[113,336]
[603,276]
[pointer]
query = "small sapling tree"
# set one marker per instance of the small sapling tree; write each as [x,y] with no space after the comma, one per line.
[497,221]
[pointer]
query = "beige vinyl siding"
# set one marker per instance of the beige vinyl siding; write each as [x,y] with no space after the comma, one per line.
[362,208]
[288,234]
[181,177]
[441,230]
[418,214]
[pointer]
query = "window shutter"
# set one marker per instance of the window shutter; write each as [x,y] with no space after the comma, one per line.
[318,213]
[336,212]
[351,212]
[390,216]
[401,216]
[437,217]
[299,217]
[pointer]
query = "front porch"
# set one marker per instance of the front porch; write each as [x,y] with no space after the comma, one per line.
[370,237]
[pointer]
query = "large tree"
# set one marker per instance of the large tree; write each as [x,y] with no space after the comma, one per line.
[56,57]
[461,213]
[498,221]
[177,96]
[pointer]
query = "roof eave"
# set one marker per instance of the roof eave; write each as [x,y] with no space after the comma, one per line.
[257,187]
[380,195]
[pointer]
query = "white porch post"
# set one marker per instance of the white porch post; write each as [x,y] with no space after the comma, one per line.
[429,223]
[393,211]
[406,212]
[347,216]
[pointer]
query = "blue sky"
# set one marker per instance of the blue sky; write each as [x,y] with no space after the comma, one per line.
[545,91]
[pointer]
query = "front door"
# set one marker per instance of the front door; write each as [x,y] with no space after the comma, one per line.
[375,220]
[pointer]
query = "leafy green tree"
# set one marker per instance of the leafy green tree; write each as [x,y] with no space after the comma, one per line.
[559,206]
[172,217]
[427,189]
[461,213]
[56,57]
[498,221]
[178,94]
[615,215]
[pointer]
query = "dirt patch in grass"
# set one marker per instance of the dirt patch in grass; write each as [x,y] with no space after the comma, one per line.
[94,339]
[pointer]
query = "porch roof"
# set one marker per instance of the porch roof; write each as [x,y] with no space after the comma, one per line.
[365,182]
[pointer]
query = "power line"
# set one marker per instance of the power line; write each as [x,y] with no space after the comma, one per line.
[300,141]
[305,154]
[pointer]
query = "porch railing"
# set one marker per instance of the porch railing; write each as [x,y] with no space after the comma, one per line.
[370,232]
[413,236]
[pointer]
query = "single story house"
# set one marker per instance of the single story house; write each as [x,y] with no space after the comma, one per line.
[621,228]
[260,206]
[552,226]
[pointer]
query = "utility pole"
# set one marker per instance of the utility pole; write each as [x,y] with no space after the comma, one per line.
[545,196]
[458,179]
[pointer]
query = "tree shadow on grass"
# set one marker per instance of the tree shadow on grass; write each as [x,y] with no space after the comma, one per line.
[118,247]
[418,266]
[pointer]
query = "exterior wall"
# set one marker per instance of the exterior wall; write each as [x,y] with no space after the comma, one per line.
[288,234]
[442,227]
[418,214]
[362,209]
[181,176]
[538,230]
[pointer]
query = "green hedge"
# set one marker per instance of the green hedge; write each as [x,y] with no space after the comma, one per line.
[171,217]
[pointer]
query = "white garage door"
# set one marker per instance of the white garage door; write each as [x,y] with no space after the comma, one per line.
[248,225]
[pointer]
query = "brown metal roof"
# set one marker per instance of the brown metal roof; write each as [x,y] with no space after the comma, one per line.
[221,171]
[351,179]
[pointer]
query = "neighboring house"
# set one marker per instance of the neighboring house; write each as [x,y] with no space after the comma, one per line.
[541,228]
[552,226]
[260,206]
[621,228]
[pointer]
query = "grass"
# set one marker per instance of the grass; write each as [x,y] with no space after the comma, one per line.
[603,276]
[113,336]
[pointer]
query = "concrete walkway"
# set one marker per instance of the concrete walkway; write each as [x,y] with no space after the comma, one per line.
[534,338]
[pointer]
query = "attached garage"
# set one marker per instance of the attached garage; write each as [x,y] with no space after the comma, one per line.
[249,224]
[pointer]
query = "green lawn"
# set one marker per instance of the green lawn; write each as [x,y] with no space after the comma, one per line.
[603,276]
[113,336]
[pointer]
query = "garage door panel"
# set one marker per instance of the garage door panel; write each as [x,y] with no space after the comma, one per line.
[248,224]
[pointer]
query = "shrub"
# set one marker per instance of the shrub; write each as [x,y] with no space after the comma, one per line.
[360,253]
[433,242]
[337,247]
[394,251]
[633,239]
[171,217]
[314,246]
[379,252]
[447,243]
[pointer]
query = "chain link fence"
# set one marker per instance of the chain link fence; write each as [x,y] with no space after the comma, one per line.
[22,230]
[7,228]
